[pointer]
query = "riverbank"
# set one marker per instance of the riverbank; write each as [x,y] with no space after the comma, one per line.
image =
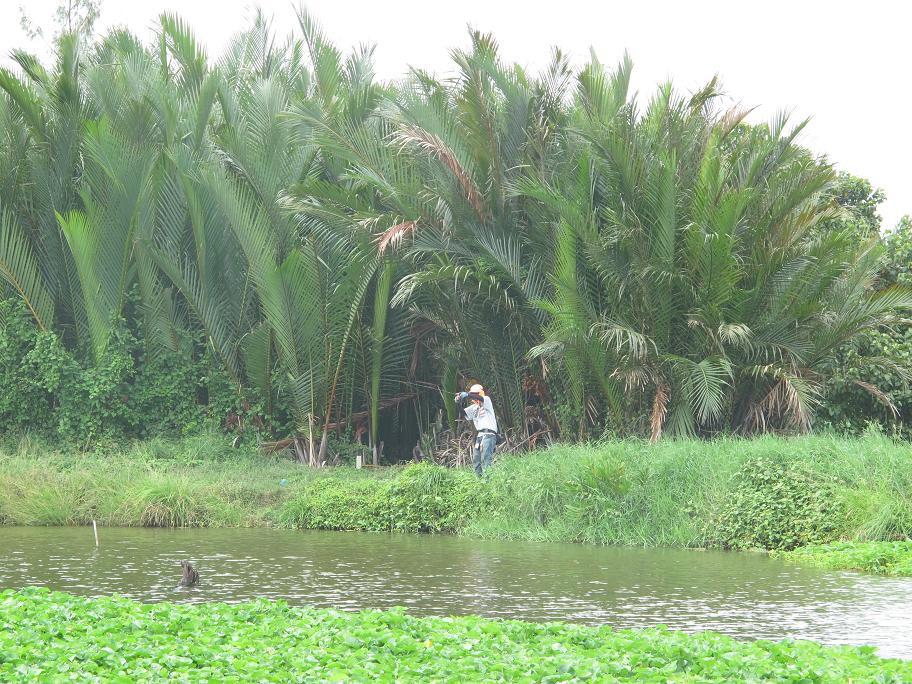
[893,559]
[771,493]
[58,636]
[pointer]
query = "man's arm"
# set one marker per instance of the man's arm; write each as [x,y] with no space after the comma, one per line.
[475,404]
[460,396]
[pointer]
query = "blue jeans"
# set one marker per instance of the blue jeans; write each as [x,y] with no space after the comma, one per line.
[483,451]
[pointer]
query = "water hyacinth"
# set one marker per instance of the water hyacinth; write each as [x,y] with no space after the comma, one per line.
[50,636]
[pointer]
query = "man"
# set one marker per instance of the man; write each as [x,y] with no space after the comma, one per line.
[481,412]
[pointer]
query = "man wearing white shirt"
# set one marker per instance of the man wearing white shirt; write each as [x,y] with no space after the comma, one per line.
[480,411]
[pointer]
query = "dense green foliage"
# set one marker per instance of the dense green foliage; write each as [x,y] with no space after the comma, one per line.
[881,558]
[50,391]
[421,498]
[761,493]
[871,375]
[777,504]
[898,258]
[277,240]
[49,636]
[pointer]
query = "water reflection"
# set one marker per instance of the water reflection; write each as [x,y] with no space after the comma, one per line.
[745,595]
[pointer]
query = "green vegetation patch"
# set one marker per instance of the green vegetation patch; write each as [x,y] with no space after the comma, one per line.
[418,498]
[881,558]
[193,482]
[763,493]
[50,636]
[776,504]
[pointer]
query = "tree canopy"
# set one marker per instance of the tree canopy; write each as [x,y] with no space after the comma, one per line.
[344,253]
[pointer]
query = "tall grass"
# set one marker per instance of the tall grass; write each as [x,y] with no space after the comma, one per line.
[672,493]
[892,558]
[616,492]
[625,493]
[198,482]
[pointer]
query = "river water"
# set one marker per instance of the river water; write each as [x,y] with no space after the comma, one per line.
[747,596]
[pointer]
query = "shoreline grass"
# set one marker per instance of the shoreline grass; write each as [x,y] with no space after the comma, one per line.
[52,636]
[627,492]
[890,558]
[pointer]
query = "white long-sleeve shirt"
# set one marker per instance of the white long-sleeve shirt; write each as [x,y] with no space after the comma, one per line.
[482,415]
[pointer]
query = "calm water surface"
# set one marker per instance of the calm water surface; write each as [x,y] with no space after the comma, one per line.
[747,596]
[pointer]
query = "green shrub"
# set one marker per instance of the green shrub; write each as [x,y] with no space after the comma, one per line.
[779,505]
[536,490]
[329,504]
[419,498]
[877,513]
[194,482]
[623,492]
[129,392]
[430,498]
[599,486]
[43,498]
[684,493]
[27,395]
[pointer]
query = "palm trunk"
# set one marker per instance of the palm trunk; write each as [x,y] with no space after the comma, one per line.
[381,306]
[321,457]
[449,391]
[310,439]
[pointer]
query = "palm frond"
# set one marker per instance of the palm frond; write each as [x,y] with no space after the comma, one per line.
[19,268]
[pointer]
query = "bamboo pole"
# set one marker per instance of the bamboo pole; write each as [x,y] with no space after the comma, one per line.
[95,530]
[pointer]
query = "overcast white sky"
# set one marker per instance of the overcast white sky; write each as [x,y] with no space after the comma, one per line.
[846,64]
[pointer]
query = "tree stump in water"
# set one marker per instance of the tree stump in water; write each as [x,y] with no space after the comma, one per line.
[189,575]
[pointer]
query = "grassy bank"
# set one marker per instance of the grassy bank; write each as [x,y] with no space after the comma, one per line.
[53,637]
[880,558]
[761,493]
[199,482]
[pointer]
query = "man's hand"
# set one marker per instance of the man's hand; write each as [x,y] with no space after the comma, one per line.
[460,396]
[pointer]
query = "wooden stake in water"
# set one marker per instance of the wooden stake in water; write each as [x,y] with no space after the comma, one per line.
[95,530]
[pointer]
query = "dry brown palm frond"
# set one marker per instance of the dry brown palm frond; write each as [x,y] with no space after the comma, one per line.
[394,234]
[754,420]
[591,409]
[785,400]
[659,410]
[880,395]
[731,119]
[413,135]
[634,379]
